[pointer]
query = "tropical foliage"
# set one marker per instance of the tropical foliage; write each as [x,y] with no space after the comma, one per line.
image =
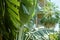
[14,14]
[16,22]
[49,15]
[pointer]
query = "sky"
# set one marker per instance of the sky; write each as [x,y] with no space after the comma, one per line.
[57,2]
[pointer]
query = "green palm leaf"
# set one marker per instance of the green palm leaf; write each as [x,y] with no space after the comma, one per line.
[13,14]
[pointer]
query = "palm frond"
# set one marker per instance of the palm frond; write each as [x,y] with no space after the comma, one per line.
[13,14]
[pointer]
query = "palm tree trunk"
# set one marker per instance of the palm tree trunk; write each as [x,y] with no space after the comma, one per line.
[0,37]
[20,33]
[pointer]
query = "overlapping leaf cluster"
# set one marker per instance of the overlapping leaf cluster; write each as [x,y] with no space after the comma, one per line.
[13,14]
